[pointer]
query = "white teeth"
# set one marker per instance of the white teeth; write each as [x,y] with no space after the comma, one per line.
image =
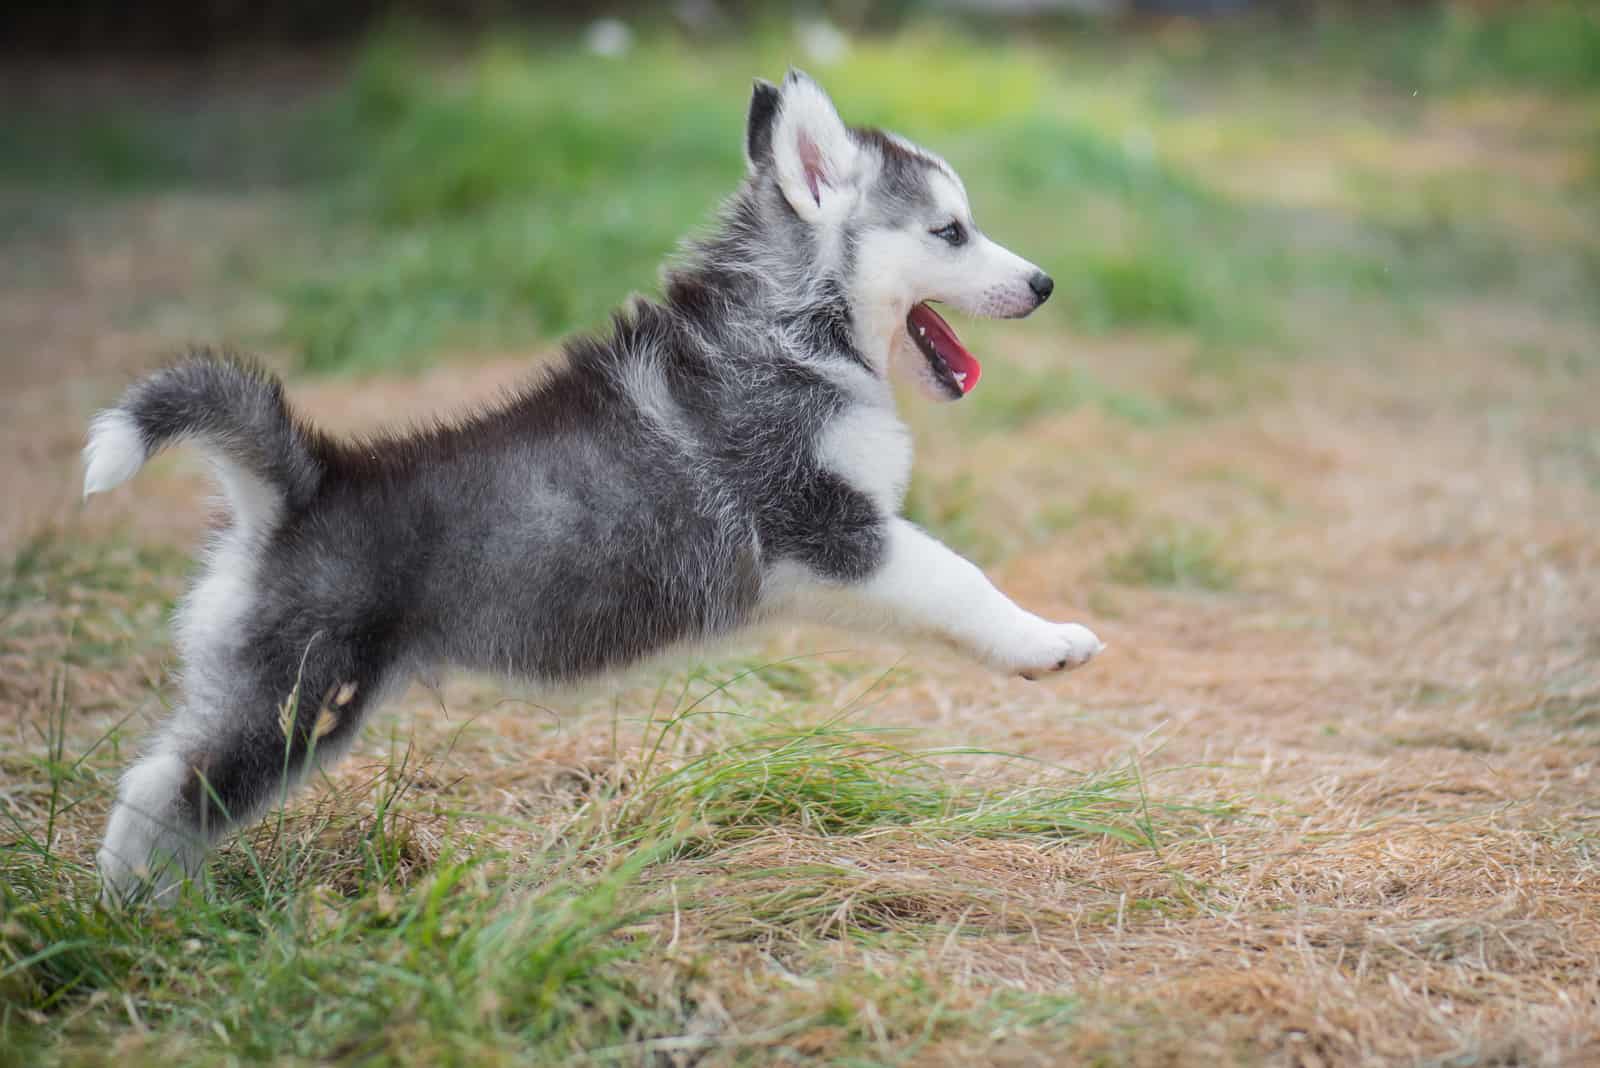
[961,377]
[922,332]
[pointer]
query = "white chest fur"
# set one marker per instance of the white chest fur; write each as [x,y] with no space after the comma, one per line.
[869,448]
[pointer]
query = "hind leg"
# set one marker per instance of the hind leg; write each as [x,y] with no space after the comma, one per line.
[232,750]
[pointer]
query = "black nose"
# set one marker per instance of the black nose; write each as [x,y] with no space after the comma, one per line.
[1042,285]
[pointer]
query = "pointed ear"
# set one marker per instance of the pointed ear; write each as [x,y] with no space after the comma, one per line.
[813,153]
[758,126]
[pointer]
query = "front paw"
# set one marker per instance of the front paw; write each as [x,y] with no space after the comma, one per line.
[1055,647]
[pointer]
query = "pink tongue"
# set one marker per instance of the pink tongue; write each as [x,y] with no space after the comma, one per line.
[948,346]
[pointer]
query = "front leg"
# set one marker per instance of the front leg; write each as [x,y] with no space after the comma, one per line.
[922,589]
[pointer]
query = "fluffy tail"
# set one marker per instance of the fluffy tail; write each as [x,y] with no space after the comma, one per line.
[235,412]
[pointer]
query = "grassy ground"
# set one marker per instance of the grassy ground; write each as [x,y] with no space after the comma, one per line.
[1308,435]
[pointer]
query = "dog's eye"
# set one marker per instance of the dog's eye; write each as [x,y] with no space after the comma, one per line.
[952,234]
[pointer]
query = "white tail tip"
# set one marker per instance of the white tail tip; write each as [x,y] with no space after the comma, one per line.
[115,452]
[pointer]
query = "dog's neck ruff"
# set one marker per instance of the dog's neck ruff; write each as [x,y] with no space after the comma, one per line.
[763,274]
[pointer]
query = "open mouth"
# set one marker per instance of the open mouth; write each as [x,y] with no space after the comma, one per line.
[954,368]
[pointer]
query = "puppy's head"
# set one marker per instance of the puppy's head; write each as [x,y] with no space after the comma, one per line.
[892,221]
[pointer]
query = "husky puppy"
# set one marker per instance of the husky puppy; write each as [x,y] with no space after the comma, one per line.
[727,456]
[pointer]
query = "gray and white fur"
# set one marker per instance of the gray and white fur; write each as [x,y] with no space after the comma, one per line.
[726,456]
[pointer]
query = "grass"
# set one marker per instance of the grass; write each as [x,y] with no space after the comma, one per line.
[453,966]
[449,229]
[830,780]
[370,926]
[1550,45]
[85,602]
[1307,437]
[1546,45]
[472,231]
[1178,558]
[1019,397]
[454,195]
[309,941]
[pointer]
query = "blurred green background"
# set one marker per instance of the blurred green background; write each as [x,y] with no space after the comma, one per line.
[462,184]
